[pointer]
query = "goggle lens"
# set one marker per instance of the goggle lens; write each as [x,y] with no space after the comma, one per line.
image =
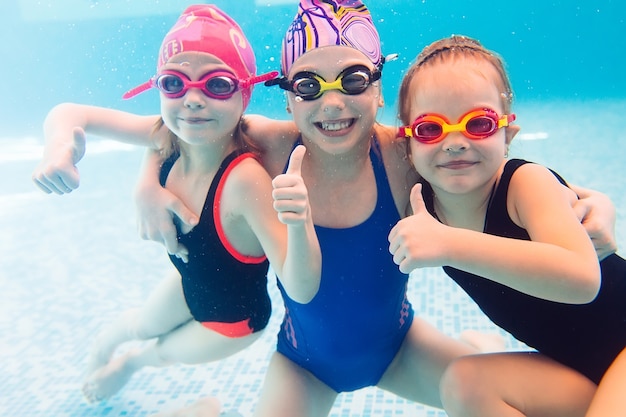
[218,85]
[476,124]
[352,81]
[170,84]
[306,87]
[481,126]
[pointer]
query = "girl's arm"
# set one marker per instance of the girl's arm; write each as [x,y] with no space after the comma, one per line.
[157,207]
[288,239]
[558,263]
[302,269]
[65,127]
[597,214]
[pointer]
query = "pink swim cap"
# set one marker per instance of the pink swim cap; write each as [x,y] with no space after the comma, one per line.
[330,22]
[205,28]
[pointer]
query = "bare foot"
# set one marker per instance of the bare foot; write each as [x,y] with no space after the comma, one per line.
[108,380]
[484,342]
[108,340]
[204,407]
[98,356]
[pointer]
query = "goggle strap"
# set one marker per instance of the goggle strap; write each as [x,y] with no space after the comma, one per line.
[505,122]
[404,132]
[139,89]
[385,59]
[267,77]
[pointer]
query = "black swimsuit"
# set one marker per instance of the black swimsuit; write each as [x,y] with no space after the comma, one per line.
[225,290]
[584,337]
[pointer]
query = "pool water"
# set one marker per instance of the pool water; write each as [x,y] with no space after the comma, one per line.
[70,263]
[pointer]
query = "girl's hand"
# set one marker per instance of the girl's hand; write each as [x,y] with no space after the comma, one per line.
[596,212]
[291,200]
[156,210]
[57,172]
[417,241]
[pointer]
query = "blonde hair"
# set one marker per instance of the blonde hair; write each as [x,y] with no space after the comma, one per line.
[447,49]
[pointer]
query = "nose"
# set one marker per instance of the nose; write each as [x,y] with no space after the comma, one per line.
[195,98]
[455,142]
[332,101]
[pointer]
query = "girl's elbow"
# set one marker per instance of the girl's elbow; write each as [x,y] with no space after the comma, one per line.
[307,294]
[303,291]
[591,286]
[302,297]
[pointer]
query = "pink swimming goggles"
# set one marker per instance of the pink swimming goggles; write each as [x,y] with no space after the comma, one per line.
[219,84]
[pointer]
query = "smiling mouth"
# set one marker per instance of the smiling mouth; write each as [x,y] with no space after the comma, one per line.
[335,126]
[457,164]
[195,120]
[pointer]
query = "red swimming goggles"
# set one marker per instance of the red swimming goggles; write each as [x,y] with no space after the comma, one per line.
[475,124]
[220,85]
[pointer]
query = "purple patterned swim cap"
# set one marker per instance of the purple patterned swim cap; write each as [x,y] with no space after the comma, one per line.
[330,22]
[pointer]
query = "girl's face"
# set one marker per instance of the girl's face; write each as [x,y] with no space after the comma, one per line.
[458,164]
[195,117]
[335,122]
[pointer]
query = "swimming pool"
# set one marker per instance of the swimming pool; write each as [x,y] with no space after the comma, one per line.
[70,263]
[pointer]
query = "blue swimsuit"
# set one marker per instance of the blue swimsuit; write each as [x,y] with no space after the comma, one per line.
[352,329]
[585,337]
[224,290]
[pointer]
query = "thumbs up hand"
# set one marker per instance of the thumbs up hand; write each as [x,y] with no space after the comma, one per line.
[291,199]
[418,241]
[57,172]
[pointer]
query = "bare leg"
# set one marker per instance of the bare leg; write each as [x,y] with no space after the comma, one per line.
[204,407]
[484,342]
[119,331]
[290,391]
[190,344]
[515,385]
[180,340]
[416,370]
[609,400]
[147,322]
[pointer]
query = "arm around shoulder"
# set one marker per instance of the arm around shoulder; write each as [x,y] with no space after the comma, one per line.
[563,259]
[596,212]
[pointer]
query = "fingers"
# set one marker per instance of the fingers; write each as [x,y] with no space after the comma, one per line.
[295,161]
[57,172]
[581,209]
[166,234]
[184,214]
[56,180]
[417,200]
[182,253]
[42,187]
[290,195]
[599,224]
[79,143]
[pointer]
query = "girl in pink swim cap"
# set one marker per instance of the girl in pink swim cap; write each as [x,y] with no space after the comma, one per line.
[216,302]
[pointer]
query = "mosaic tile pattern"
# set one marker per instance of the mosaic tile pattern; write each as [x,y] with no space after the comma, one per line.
[72,263]
[69,264]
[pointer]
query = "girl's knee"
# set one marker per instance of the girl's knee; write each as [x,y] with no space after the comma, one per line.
[462,385]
